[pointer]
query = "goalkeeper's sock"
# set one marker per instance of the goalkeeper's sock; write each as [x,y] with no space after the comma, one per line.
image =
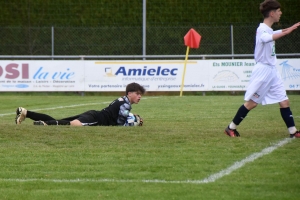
[38,116]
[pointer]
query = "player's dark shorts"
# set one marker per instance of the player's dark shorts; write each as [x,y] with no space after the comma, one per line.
[89,118]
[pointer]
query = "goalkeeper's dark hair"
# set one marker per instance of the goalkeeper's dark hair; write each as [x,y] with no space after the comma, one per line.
[267,6]
[135,87]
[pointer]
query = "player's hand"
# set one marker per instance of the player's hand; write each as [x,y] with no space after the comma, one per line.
[295,26]
[292,28]
[140,119]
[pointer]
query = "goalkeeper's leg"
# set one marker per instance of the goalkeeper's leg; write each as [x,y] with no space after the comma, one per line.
[22,114]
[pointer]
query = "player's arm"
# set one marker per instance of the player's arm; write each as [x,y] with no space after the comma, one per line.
[123,114]
[124,110]
[285,32]
[128,119]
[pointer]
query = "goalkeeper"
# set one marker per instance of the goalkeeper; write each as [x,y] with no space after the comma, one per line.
[113,115]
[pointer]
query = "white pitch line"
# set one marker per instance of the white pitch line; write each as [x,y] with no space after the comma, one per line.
[239,164]
[60,107]
[209,179]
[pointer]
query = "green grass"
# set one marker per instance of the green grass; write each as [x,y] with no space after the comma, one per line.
[182,139]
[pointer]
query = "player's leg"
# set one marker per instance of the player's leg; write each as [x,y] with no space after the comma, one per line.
[239,117]
[51,122]
[75,122]
[85,119]
[22,114]
[278,94]
[288,118]
[242,113]
[64,121]
[88,118]
[257,89]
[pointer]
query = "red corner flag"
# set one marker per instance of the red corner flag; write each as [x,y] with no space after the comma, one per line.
[191,40]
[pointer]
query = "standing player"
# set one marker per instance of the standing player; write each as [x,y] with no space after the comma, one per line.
[114,115]
[266,86]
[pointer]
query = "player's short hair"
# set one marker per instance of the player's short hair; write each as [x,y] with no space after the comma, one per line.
[267,6]
[135,87]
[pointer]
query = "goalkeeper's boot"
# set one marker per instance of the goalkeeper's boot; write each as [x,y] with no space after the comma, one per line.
[295,135]
[39,123]
[20,115]
[231,132]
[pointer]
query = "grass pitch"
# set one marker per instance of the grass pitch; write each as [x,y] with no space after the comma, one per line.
[179,146]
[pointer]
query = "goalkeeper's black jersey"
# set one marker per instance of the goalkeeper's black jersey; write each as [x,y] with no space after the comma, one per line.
[114,114]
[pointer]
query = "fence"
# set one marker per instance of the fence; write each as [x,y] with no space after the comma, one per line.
[134,43]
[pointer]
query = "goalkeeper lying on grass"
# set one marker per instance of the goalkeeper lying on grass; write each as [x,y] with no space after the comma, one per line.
[116,114]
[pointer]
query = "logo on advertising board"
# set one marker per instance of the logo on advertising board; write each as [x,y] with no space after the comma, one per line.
[288,71]
[145,73]
[22,76]
[11,73]
[226,76]
[108,72]
[228,80]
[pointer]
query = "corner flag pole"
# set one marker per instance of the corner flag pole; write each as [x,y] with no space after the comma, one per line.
[184,69]
[191,40]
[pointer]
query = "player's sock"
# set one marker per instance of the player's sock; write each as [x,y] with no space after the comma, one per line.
[287,117]
[57,122]
[292,130]
[232,126]
[38,116]
[240,115]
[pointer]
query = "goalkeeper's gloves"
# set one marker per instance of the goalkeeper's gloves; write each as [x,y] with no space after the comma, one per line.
[139,120]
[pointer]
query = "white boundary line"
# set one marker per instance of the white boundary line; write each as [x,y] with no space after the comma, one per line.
[60,107]
[210,179]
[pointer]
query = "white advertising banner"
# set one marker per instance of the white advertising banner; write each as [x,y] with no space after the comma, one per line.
[40,75]
[156,75]
[153,75]
[289,70]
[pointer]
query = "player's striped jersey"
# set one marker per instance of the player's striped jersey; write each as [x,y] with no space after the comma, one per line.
[117,112]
